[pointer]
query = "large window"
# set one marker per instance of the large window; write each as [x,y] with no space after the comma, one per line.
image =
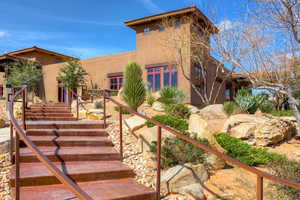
[116,82]
[160,77]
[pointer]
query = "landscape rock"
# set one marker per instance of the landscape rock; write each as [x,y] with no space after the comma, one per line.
[263,130]
[120,93]
[37,100]
[193,109]
[134,123]
[199,126]
[95,114]
[156,95]
[214,111]
[185,179]
[158,106]
[149,135]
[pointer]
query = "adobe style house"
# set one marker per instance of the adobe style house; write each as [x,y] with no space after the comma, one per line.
[159,70]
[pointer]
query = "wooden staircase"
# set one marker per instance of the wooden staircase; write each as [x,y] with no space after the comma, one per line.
[82,150]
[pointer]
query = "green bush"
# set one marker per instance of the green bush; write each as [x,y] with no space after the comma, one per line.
[113,93]
[266,106]
[171,96]
[176,151]
[229,107]
[289,170]
[150,99]
[244,152]
[249,102]
[282,113]
[171,121]
[123,111]
[98,105]
[134,91]
[178,110]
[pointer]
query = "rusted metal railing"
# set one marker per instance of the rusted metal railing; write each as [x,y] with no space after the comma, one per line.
[20,134]
[260,174]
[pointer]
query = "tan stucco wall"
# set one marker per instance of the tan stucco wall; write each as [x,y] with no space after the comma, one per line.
[44,59]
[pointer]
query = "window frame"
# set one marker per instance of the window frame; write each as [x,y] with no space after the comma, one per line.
[118,83]
[161,70]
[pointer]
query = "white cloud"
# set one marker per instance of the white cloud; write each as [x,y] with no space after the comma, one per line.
[225,25]
[3,33]
[151,6]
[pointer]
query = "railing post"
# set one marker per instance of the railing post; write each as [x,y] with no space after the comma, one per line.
[17,164]
[104,108]
[158,157]
[77,107]
[121,132]
[260,188]
[11,146]
[23,109]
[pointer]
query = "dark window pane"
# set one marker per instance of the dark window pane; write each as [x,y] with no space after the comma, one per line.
[166,79]
[150,70]
[177,24]
[157,82]
[150,81]
[161,28]
[174,79]
[146,30]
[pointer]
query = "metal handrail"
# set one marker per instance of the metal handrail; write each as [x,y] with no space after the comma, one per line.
[41,157]
[260,174]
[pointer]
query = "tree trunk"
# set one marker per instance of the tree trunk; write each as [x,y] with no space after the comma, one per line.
[293,104]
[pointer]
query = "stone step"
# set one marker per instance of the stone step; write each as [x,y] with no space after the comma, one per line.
[36,174]
[56,154]
[64,125]
[38,105]
[70,141]
[117,189]
[65,114]
[36,118]
[39,111]
[66,132]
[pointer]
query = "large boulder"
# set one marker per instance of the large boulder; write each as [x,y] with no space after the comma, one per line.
[260,130]
[185,179]
[273,132]
[134,123]
[214,111]
[149,135]
[37,100]
[193,109]
[158,106]
[95,114]
[202,129]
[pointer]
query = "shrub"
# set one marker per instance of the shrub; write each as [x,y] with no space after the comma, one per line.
[178,110]
[289,170]
[134,91]
[98,105]
[150,99]
[123,111]
[176,151]
[249,102]
[171,96]
[244,152]
[266,106]
[282,113]
[229,107]
[113,93]
[171,121]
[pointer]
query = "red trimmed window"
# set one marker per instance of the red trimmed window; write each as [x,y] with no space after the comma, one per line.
[116,82]
[160,77]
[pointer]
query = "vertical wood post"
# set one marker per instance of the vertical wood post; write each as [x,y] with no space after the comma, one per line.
[11,146]
[158,157]
[17,163]
[121,132]
[260,188]
[77,107]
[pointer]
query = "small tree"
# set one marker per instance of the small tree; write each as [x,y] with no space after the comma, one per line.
[134,91]
[24,71]
[72,75]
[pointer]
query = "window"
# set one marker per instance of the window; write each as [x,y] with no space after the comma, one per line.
[1,91]
[161,28]
[177,24]
[228,94]
[58,60]
[116,82]
[160,77]
[199,72]
[146,30]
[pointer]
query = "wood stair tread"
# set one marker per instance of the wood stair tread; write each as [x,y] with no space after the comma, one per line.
[67,132]
[52,150]
[32,174]
[120,189]
[68,138]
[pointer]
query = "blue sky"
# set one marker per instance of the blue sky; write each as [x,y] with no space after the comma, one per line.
[81,29]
